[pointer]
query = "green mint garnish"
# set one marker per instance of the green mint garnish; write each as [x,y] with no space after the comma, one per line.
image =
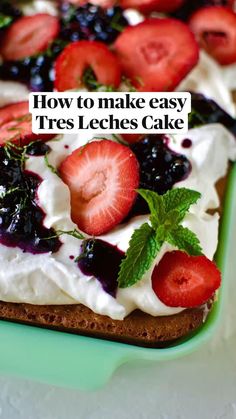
[74,233]
[90,81]
[143,248]
[50,166]
[5,20]
[166,214]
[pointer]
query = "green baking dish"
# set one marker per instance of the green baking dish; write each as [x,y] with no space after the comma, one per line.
[85,363]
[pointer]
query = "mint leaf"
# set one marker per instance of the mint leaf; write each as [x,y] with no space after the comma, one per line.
[184,239]
[5,21]
[180,199]
[143,248]
[156,206]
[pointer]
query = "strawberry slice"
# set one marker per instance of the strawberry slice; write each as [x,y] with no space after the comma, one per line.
[180,280]
[28,36]
[132,138]
[157,53]
[215,30]
[79,56]
[102,177]
[147,6]
[16,125]
[12,111]
[105,4]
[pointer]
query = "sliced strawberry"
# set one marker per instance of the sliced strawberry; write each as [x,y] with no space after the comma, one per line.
[102,177]
[157,53]
[180,280]
[15,110]
[16,125]
[147,6]
[132,138]
[215,30]
[28,36]
[105,4]
[79,56]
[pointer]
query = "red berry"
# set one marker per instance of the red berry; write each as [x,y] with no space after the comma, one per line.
[105,4]
[79,56]
[180,280]
[157,53]
[215,30]
[28,36]
[132,138]
[102,177]
[16,125]
[147,6]
[14,110]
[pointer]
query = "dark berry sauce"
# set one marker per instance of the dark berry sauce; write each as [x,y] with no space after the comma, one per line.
[102,260]
[207,111]
[186,143]
[160,168]
[21,219]
[37,148]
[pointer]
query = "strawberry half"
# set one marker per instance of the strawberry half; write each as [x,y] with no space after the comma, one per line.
[16,125]
[157,53]
[28,36]
[102,177]
[215,30]
[132,138]
[79,56]
[105,4]
[12,111]
[147,6]
[180,280]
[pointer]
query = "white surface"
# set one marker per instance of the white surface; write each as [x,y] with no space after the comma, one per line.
[202,385]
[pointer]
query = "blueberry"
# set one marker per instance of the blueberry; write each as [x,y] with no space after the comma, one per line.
[160,168]
[91,262]
[91,22]
[207,111]
[38,148]
[21,219]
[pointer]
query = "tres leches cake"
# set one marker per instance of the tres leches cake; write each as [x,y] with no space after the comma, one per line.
[114,236]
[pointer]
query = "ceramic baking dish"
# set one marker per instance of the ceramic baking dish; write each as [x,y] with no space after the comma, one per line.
[69,360]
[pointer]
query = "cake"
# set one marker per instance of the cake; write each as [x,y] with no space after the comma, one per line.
[71,204]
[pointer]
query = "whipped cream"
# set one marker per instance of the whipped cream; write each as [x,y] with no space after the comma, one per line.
[39,6]
[56,278]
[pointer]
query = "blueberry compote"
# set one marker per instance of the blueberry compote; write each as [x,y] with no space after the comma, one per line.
[102,260]
[91,22]
[37,72]
[160,168]
[206,111]
[21,219]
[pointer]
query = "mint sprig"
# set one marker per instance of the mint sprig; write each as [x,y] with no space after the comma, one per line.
[166,215]
[5,20]
[143,248]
